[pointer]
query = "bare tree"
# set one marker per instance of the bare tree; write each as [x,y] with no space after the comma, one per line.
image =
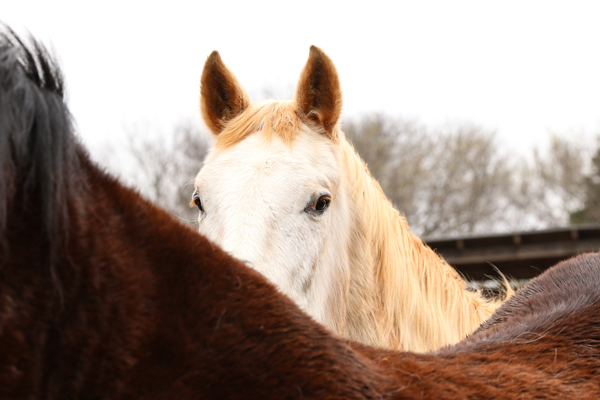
[163,168]
[467,185]
[445,182]
[590,213]
[552,187]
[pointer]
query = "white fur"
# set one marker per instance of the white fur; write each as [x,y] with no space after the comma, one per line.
[255,196]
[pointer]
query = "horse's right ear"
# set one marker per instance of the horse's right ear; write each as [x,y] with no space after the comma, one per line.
[222,98]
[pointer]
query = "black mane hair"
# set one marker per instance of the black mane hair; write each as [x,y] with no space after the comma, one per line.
[37,145]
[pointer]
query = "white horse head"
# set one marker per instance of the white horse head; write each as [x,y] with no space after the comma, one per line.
[283,191]
[269,191]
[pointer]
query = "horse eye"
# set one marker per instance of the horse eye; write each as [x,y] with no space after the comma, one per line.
[321,204]
[196,201]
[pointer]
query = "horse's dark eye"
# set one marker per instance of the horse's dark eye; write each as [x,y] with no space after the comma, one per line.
[321,204]
[196,201]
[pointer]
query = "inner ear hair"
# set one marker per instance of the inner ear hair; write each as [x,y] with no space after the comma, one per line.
[222,98]
[319,93]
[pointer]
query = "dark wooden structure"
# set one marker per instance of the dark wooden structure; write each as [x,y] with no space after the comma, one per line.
[521,255]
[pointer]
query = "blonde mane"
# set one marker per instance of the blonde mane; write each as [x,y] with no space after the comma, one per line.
[420,302]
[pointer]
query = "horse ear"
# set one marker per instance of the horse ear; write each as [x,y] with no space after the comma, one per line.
[222,97]
[318,94]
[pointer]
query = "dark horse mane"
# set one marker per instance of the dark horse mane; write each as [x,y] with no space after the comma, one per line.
[149,309]
[38,143]
[37,146]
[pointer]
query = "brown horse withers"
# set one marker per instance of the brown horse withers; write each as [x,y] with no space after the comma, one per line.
[105,296]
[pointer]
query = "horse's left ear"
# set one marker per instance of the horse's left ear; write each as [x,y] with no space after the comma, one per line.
[222,98]
[318,94]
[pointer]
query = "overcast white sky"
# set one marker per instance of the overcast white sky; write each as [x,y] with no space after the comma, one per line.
[522,68]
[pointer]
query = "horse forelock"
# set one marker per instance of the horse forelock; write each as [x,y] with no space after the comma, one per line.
[37,148]
[278,118]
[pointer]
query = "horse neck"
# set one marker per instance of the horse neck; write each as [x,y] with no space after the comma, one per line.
[402,294]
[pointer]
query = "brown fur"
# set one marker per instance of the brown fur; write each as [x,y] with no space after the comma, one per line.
[318,100]
[319,94]
[222,98]
[149,309]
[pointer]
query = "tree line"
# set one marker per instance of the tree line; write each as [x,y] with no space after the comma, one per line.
[447,181]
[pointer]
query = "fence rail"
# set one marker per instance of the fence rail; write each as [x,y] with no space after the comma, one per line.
[520,255]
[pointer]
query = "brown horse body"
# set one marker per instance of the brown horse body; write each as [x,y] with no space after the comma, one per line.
[105,296]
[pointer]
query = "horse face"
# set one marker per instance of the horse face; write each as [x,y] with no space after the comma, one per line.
[276,207]
[269,192]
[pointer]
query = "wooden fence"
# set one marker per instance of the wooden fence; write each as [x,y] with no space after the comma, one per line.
[520,256]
